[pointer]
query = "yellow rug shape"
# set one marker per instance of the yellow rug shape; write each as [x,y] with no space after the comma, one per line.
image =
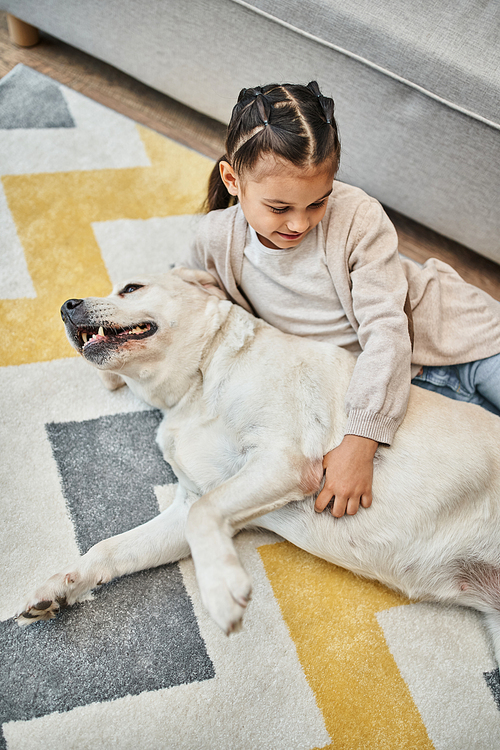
[53,215]
[331,616]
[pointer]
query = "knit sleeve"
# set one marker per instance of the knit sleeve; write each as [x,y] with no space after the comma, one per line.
[199,250]
[207,248]
[378,394]
[218,248]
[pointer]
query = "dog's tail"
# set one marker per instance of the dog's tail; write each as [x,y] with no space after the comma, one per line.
[479,585]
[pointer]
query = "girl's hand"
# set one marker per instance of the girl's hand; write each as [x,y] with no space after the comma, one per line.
[348,476]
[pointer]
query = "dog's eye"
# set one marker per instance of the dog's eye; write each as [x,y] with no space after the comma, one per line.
[131,288]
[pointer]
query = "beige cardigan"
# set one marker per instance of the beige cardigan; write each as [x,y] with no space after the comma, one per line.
[454,322]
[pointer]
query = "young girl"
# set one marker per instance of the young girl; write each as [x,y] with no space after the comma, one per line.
[319,258]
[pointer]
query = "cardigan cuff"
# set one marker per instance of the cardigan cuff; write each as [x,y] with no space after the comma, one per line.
[370,425]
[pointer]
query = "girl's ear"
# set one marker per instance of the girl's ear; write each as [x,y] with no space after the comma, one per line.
[229,178]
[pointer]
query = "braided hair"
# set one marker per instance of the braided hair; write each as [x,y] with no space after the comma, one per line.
[293,122]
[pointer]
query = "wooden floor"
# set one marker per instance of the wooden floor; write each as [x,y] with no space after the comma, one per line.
[120,92]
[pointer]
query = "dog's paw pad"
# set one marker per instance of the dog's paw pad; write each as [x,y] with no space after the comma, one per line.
[45,610]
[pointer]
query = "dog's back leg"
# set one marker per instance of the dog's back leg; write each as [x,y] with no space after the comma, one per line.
[157,542]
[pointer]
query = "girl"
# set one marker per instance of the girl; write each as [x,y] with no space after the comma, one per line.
[319,258]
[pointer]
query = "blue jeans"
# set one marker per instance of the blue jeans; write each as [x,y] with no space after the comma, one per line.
[476,382]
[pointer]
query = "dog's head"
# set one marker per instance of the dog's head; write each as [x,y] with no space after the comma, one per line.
[142,317]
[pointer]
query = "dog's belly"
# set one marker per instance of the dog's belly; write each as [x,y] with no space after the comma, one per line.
[422,558]
[203,455]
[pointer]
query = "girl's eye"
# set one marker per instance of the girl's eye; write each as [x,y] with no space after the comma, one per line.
[313,206]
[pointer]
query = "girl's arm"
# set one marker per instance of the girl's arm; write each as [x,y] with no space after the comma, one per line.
[378,394]
[218,248]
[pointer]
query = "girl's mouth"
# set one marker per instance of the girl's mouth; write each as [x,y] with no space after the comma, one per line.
[290,237]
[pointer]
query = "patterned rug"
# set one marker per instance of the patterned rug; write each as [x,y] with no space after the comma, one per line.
[325,660]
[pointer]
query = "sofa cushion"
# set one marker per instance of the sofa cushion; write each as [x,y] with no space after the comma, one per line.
[425,148]
[450,49]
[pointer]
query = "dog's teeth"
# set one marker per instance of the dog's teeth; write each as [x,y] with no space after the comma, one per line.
[84,337]
[101,331]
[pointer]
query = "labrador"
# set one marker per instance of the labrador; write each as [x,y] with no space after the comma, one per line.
[249,413]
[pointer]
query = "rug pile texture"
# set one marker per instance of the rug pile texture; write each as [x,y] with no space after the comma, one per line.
[325,660]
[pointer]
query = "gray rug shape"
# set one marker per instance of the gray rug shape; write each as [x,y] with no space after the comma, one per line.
[493,681]
[31,100]
[109,467]
[140,633]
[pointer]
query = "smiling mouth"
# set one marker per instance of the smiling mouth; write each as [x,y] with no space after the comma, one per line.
[290,236]
[89,337]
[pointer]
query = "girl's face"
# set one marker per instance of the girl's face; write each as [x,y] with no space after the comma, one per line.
[280,201]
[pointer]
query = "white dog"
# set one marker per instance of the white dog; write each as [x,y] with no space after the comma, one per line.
[249,413]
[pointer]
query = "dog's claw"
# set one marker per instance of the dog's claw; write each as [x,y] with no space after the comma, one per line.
[26,615]
[235,627]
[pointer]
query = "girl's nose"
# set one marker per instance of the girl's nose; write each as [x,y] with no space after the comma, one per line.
[297,224]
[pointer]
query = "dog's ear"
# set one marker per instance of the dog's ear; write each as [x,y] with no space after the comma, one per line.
[201,279]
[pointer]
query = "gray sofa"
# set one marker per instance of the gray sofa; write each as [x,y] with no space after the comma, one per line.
[416,83]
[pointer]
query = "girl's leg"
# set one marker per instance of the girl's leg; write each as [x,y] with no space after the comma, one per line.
[475,382]
[484,376]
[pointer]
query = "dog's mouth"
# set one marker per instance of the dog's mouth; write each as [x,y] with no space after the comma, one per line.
[88,337]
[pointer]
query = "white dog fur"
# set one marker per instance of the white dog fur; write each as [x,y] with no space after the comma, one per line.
[249,413]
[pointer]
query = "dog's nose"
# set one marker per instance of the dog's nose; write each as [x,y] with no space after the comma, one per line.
[68,306]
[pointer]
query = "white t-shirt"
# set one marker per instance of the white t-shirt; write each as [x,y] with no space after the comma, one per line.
[292,289]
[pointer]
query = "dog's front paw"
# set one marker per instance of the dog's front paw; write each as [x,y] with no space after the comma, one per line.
[62,590]
[225,591]
[45,610]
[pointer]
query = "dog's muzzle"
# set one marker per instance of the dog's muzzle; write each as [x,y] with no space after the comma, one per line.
[92,335]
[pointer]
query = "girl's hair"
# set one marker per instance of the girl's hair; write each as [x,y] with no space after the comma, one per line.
[293,122]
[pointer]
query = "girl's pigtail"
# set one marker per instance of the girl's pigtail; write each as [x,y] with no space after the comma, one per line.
[326,104]
[218,196]
[264,108]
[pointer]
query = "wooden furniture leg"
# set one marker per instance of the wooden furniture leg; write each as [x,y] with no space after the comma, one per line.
[22,33]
